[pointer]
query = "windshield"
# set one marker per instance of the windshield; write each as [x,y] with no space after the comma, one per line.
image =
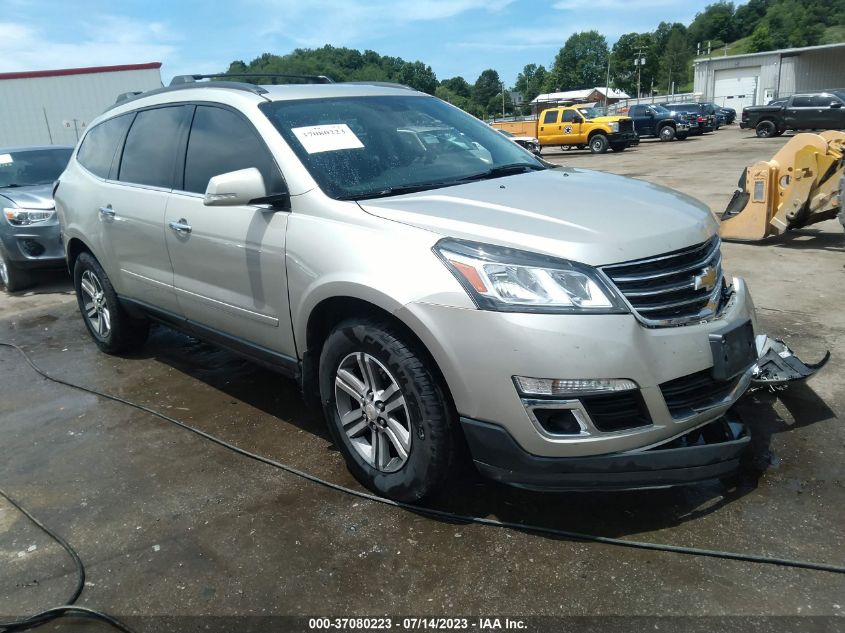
[593,112]
[362,147]
[33,166]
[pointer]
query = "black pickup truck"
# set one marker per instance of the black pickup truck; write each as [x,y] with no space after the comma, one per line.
[655,120]
[811,111]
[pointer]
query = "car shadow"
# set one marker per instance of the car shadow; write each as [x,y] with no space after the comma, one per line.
[45,282]
[611,514]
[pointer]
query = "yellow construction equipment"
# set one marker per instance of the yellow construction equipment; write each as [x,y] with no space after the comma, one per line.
[799,186]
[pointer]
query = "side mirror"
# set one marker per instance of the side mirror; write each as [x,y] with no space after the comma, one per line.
[245,186]
[577,120]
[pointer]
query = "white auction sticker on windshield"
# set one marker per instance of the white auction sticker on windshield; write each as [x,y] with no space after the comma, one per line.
[6,159]
[327,138]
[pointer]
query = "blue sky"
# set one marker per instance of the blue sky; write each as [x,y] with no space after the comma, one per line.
[453,36]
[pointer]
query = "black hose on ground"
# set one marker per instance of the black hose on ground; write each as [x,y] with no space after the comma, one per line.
[442,514]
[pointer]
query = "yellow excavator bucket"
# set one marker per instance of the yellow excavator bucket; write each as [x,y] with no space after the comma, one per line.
[797,187]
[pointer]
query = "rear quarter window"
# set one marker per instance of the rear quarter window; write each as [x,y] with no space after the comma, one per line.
[100,145]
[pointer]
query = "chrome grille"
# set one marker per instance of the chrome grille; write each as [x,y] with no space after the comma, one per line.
[675,288]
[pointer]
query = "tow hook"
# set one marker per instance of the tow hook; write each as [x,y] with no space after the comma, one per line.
[777,365]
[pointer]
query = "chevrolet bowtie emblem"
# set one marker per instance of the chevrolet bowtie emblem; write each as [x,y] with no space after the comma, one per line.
[706,279]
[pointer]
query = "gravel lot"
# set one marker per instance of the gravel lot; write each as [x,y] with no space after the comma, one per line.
[169,524]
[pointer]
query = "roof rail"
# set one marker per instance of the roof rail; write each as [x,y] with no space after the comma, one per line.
[188,79]
[125,96]
[386,84]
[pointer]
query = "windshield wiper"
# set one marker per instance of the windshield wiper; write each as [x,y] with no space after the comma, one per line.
[400,189]
[504,170]
[11,185]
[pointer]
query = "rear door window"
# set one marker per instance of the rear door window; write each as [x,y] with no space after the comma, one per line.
[550,116]
[149,154]
[802,102]
[100,145]
[222,141]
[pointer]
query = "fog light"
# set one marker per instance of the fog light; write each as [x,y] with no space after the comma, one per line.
[31,247]
[558,421]
[571,386]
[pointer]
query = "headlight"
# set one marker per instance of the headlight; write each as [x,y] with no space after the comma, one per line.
[25,217]
[614,127]
[509,280]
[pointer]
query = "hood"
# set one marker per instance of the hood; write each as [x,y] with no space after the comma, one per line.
[582,215]
[34,197]
[609,119]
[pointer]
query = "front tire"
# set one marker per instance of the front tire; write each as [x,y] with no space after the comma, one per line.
[12,278]
[682,136]
[598,144]
[618,147]
[386,410]
[766,129]
[112,329]
[667,133]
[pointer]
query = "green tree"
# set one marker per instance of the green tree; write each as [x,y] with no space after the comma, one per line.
[581,63]
[458,85]
[792,23]
[623,70]
[760,40]
[748,16]
[418,76]
[715,23]
[675,61]
[494,105]
[531,80]
[486,86]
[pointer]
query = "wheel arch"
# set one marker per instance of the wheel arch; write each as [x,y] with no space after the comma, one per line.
[331,311]
[73,249]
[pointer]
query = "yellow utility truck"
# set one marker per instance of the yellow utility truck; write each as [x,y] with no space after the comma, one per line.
[576,127]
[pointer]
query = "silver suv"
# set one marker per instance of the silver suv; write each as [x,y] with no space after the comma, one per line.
[435,287]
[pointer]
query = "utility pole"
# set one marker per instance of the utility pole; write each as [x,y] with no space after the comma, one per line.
[639,62]
[607,84]
[503,99]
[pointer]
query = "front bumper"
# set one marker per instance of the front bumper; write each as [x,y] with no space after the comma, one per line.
[35,246]
[712,452]
[630,138]
[479,352]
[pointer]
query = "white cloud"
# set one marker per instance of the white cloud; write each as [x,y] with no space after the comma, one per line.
[105,40]
[617,5]
[345,22]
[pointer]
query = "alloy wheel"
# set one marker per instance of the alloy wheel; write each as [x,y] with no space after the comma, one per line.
[373,412]
[4,271]
[96,306]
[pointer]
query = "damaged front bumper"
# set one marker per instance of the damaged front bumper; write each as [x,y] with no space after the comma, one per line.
[777,365]
[712,451]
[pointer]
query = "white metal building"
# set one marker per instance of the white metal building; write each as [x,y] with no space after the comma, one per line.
[53,107]
[737,81]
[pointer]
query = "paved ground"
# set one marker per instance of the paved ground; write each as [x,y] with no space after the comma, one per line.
[170,524]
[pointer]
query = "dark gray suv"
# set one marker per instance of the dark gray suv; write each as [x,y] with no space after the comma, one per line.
[29,230]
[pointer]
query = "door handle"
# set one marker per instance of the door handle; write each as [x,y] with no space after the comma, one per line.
[107,211]
[181,227]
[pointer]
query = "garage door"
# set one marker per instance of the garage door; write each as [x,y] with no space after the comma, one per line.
[736,87]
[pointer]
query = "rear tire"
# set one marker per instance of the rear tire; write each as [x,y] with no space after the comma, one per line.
[682,136]
[386,410]
[766,129]
[666,133]
[112,329]
[12,278]
[598,144]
